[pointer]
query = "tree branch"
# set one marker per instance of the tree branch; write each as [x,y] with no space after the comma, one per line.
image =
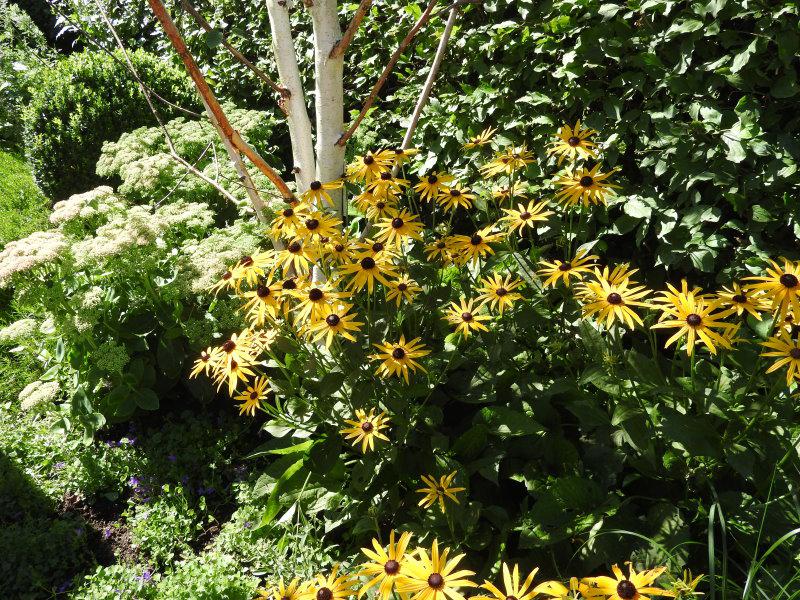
[386,71]
[213,105]
[200,20]
[341,46]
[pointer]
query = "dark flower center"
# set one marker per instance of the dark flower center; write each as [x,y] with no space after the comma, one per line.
[739,298]
[565,266]
[626,590]
[324,239]
[368,160]
[253,395]
[380,205]
[229,346]
[397,222]
[332,320]
[205,356]
[466,317]
[441,245]
[525,215]
[263,291]
[524,244]
[455,193]
[324,593]
[694,320]
[392,567]
[315,295]
[402,287]
[788,280]
[247,261]
[367,426]
[377,247]
[234,365]
[289,284]
[295,247]
[586,181]
[476,240]
[315,185]
[435,581]
[432,179]
[285,598]
[398,353]
[614,298]
[795,353]
[386,176]
[574,141]
[288,212]
[226,275]
[367,263]
[312,224]
[501,291]
[339,248]
[511,598]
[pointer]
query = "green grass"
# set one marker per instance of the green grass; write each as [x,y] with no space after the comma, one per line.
[23,207]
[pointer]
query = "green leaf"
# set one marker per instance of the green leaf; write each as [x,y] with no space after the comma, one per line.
[213,38]
[146,399]
[506,422]
[274,503]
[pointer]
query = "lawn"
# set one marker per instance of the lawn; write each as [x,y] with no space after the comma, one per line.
[23,207]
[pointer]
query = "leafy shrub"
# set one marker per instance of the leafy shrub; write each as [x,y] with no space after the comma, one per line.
[116,581]
[84,100]
[209,576]
[23,208]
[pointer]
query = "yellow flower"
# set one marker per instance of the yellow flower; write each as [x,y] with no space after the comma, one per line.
[695,317]
[262,303]
[401,156]
[514,190]
[432,185]
[368,168]
[386,187]
[743,300]
[435,577]
[573,142]
[333,587]
[386,566]
[340,249]
[633,587]
[439,249]
[313,298]
[781,285]
[436,491]
[787,351]
[464,316]
[317,225]
[251,268]
[284,592]
[332,320]
[507,162]
[366,429]
[498,292]
[587,186]
[366,269]
[483,138]
[403,288]
[398,358]
[611,301]
[228,281]
[553,271]
[287,221]
[203,363]
[524,591]
[318,191]
[233,373]
[296,256]
[453,197]
[403,226]
[525,216]
[473,247]
[253,396]
[373,248]
[381,208]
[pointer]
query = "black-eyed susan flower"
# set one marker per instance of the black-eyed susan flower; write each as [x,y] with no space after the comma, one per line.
[335,319]
[381,208]
[455,196]
[365,270]
[470,248]
[366,428]
[332,587]
[610,301]
[312,298]
[509,192]
[386,186]
[398,358]
[586,186]
[369,167]
[250,268]
[279,591]
[787,351]
[362,201]
[695,317]
[203,363]
[262,303]
[297,256]
[372,247]
[620,273]
[231,372]
[464,315]
[634,586]
[551,272]
[401,289]
[781,285]
[497,292]
[483,138]
[340,249]
[386,567]
[434,577]
[507,162]
[573,142]
[317,225]
[317,192]
[228,281]
[287,220]
[400,156]
[431,186]
[525,216]
[402,227]
[437,490]
[744,300]
[524,590]
[253,396]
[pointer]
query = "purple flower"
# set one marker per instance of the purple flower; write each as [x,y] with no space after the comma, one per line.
[106,533]
[145,576]
[247,524]
[172,458]
[134,481]
[79,531]
[111,443]
[59,465]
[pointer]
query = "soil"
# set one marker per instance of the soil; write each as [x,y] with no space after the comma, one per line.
[109,541]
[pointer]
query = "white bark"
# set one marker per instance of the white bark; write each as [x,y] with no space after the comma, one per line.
[329,101]
[296,110]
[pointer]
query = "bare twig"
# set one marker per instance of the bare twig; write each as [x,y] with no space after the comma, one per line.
[386,71]
[201,21]
[349,33]
[205,92]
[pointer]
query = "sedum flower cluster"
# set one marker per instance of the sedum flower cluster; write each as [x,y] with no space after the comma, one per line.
[37,394]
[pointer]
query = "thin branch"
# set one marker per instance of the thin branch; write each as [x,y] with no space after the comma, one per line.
[208,96]
[201,21]
[341,46]
[386,71]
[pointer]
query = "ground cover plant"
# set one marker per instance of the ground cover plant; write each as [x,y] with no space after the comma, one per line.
[510,313]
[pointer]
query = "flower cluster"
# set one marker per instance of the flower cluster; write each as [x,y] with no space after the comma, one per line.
[36,394]
[419,574]
[38,249]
